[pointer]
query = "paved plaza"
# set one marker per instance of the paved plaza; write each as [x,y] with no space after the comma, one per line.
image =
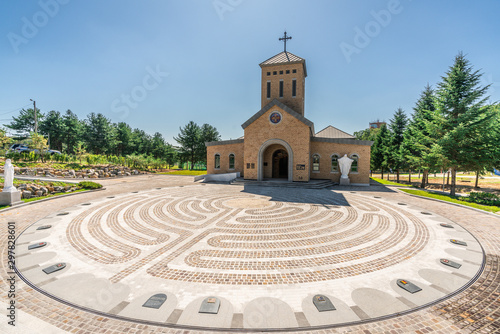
[149,252]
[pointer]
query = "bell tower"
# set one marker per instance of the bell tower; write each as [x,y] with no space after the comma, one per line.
[283,78]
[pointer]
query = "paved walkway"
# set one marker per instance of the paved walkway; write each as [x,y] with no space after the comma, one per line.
[264,253]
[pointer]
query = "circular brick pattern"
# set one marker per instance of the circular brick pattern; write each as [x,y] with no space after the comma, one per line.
[220,240]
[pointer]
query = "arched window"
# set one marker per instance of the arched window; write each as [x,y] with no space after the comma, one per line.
[354,165]
[335,163]
[217,161]
[315,163]
[231,161]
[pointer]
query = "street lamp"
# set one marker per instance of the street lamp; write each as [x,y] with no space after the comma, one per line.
[34,109]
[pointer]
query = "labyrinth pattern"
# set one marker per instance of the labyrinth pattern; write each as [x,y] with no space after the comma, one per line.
[221,236]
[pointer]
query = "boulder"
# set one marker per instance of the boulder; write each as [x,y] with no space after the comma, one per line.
[26,194]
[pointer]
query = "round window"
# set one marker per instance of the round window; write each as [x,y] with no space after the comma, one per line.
[275,117]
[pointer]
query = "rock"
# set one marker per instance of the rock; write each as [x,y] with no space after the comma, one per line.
[44,191]
[135,172]
[72,172]
[39,193]
[127,173]
[26,194]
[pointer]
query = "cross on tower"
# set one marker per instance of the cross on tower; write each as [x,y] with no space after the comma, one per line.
[284,39]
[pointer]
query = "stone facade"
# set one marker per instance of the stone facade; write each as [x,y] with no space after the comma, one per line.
[279,142]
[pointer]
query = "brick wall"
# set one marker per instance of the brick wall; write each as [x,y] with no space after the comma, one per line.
[326,150]
[295,103]
[224,151]
[290,130]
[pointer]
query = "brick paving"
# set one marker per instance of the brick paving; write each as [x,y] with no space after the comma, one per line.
[292,233]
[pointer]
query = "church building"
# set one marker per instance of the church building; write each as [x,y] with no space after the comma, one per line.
[279,142]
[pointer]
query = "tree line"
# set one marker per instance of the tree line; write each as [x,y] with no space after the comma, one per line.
[96,134]
[452,128]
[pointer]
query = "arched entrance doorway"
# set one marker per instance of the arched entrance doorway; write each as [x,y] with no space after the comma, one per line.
[280,164]
[265,159]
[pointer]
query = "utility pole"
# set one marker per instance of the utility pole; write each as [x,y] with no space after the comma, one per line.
[36,121]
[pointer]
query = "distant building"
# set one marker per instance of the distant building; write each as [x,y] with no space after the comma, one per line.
[377,124]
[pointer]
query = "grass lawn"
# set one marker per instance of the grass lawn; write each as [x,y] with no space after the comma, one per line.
[448,198]
[18,182]
[186,172]
[389,183]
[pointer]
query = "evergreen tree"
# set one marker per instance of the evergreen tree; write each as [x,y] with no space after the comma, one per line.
[379,150]
[25,122]
[367,134]
[208,133]
[142,142]
[159,146]
[398,126]
[124,139]
[189,139]
[100,134]
[461,116]
[484,150]
[74,129]
[417,139]
[54,129]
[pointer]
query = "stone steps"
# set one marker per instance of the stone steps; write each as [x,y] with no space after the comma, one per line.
[314,184]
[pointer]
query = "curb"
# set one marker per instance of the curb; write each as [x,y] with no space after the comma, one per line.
[50,198]
[451,203]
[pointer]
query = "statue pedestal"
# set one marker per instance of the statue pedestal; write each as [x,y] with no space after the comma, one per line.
[345,182]
[10,198]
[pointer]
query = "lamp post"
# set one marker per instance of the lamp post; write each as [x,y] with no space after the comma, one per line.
[36,121]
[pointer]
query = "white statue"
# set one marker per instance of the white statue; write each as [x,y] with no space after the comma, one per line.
[345,166]
[8,175]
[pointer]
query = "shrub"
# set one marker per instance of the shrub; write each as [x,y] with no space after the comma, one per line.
[482,198]
[89,185]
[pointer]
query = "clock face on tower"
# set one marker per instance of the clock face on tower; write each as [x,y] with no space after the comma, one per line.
[275,117]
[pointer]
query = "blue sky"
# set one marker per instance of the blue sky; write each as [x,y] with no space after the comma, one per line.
[159,64]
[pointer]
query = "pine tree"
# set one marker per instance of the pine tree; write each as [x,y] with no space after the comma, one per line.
[417,139]
[25,122]
[379,151]
[189,139]
[398,126]
[461,116]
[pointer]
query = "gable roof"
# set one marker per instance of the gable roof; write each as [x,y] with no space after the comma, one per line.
[332,132]
[285,58]
[285,108]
